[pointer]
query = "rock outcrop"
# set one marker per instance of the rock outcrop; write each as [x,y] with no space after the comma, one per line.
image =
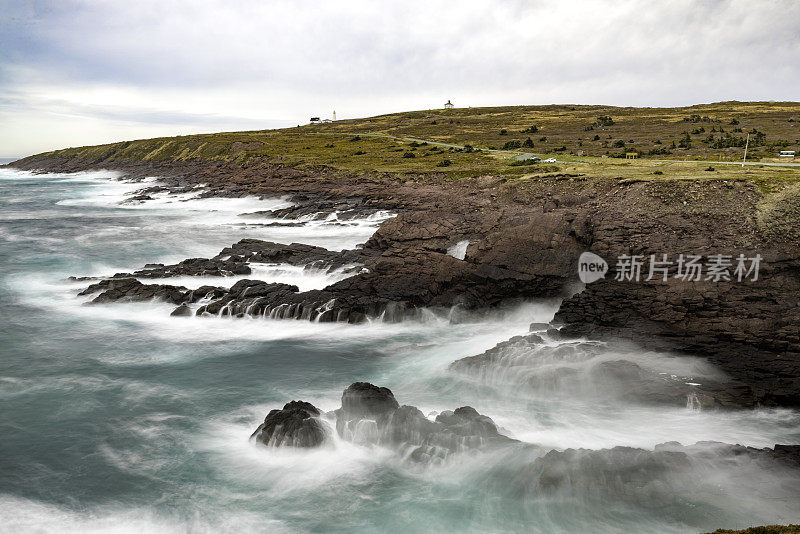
[296,425]
[556,368]
[370,415]
[524,242]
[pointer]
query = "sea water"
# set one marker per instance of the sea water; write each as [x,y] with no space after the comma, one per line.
[120,418]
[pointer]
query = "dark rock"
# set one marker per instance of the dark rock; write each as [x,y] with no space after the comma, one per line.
[296,425]
[370,414]
[130,289]
[363,400]
[182,311]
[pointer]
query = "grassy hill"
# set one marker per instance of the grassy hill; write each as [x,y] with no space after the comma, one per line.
[591,140]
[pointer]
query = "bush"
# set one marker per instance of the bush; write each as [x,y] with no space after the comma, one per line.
[359,153]
[657,172]
[528,143]
[409,155]
[532,129]
[619,143]
[543,139]
[468,148]
[356,138]
[510,145]
[710,169]
[596,138]
[604,121]
[444,163]
[503,131]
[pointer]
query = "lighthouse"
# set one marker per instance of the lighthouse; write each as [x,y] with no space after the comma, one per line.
[334,114]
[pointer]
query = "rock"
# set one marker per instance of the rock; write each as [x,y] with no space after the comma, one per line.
[371,414]
[581,367]
[524,243]
[539,327]
[182,311]
[296,425]
[363,400]
[130,289]
[683,482]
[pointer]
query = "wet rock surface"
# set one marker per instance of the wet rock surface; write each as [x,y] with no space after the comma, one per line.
[370,415]
[296,425]
[545,364]
[671,479]
[524,242]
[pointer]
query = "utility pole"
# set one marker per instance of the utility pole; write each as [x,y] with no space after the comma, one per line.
[746,144]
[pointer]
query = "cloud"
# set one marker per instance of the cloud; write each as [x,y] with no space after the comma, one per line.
[287,60]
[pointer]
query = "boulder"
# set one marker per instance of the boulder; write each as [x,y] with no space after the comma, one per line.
[296,425]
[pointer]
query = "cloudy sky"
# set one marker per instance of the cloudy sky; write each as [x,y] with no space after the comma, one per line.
[83,72]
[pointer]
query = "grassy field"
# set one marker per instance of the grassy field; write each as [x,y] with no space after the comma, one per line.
[586,140]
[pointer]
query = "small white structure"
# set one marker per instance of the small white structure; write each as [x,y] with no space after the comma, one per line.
[448,105]
[787,153]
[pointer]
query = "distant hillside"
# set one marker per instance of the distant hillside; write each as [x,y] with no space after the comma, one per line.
[713,132]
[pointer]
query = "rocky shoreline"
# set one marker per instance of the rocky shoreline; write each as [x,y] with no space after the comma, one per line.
[524,243]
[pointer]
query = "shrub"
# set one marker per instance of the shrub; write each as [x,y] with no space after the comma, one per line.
[604,121]
[619,143]
[356,138]
[359,153]
[468,148]
[409,155]
[543,139]
[528,143]
[510,145]
[710,169]
[596,138]
[532,129]
[503,131]
[657,172]
[444,163]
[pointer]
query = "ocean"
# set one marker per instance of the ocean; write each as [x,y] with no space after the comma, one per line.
[120,418]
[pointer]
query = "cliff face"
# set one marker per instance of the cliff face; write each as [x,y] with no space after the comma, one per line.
[525,241]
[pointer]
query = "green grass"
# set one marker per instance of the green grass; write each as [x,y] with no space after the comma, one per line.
[377,145]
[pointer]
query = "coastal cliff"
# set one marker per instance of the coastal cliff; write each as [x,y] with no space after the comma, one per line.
[522,235]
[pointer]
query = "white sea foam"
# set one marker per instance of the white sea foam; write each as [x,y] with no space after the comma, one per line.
[19,515]
[304,278]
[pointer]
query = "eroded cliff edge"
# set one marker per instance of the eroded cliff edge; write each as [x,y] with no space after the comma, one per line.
[525,238]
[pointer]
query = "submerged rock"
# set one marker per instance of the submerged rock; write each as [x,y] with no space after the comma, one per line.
[296,425]
[603,371]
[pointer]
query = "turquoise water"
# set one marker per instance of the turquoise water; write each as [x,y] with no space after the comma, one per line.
[121,418]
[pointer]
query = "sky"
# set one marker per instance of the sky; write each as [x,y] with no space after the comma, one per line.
[75,72]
